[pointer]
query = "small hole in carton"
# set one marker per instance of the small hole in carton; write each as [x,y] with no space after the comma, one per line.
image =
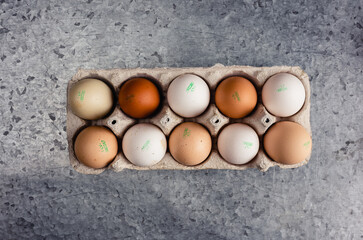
[165,120]
[267,120]
[215,120]
[113,122]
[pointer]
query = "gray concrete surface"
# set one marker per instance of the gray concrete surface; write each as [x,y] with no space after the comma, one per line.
[44,42]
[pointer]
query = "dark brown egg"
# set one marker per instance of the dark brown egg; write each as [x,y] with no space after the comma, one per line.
[139,97]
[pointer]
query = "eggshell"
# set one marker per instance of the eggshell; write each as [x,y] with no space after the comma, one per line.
[283,94]
[238,143]
[90,99]
[139,97]
[95,146]
[287,143]
[144,144]
[236,97]
[188,95]
[190,143]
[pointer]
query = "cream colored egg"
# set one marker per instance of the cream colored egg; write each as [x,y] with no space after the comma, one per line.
[90,99]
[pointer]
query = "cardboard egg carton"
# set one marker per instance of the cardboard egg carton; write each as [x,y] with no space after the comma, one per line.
[260,119]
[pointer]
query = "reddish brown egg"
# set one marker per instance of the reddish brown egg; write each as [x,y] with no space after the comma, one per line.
[236,97]
[139,97]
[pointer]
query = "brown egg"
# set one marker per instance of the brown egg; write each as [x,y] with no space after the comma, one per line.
[139,97]
[95,146]
[190,143]
[287,143]
[236,97]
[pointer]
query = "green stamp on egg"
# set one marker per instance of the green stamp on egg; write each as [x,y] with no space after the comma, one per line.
[146,145]
[247,145]
[191,87]
[103,146]
[130,97]
[186,132]
[236,97]
[81,95]
[307,144]
[282,88]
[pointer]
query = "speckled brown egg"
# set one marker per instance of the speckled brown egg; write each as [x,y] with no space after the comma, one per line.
[236,97]
[287,143]
[139,97]
[190,143]
[95,146]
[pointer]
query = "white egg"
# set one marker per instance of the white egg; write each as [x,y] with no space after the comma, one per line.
[144,144]
[283,94]
[238,143]
[188,95]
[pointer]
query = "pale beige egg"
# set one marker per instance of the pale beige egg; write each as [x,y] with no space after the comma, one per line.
[90,99]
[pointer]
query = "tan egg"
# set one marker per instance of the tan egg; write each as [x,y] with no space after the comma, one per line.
[236,97]
[96,146]
[287,143]
[190,143]
[90,99]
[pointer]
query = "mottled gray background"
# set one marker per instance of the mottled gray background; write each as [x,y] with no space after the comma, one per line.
[44,42]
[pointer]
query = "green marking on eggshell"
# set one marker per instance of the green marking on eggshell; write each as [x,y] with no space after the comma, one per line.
[307,144]
[146,145]
[186,132]
[103,146]
[81,94]
[236,97]
[191,87]
[247,145]
[130,97]
[282,88]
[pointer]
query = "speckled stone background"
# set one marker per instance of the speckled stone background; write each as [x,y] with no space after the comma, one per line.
[44,42]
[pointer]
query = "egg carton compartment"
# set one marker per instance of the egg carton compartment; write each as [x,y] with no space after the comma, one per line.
[259,119]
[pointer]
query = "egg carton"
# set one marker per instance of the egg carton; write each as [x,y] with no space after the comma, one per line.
[260,119]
